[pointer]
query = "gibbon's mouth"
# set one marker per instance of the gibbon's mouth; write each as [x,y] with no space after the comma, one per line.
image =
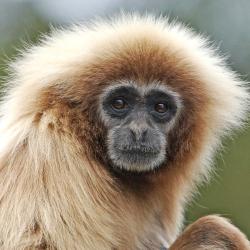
[137,159]
[138,148]
[140,152]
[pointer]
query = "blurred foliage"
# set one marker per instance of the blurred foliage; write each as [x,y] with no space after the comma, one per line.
[227,193]
[20,28]
[226,22]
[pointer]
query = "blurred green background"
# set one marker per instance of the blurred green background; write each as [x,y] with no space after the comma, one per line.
[226,22]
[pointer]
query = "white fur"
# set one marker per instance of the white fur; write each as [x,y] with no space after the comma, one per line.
[57,58]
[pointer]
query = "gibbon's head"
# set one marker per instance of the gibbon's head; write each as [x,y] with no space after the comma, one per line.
[138,93]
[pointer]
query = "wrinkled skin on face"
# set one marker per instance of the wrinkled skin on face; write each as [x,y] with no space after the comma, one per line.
[138,120]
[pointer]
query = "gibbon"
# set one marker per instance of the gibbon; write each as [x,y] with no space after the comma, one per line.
[105,132]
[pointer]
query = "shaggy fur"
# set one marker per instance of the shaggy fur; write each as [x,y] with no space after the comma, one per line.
[57,190]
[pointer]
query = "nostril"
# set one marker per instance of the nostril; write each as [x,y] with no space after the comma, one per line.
[144,135]
[133,135]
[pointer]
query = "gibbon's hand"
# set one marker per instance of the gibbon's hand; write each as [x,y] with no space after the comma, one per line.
[211,232]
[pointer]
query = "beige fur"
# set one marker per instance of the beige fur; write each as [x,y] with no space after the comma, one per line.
[53,195]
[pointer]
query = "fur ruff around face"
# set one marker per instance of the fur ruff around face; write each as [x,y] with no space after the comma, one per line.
[57,190]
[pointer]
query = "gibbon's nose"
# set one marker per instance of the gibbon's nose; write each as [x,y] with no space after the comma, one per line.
[138,131]
[139,135]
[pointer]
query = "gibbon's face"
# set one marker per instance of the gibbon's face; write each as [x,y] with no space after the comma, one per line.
[138,120]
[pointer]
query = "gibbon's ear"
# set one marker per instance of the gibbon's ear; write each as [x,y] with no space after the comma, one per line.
[211,232]
[46,181]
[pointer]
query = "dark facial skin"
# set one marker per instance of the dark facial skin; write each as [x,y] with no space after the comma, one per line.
[138,120]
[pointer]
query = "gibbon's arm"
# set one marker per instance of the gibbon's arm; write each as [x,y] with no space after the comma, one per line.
[211,232]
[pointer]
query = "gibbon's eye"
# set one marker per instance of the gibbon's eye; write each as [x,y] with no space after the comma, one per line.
[161,107]
[119,104]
